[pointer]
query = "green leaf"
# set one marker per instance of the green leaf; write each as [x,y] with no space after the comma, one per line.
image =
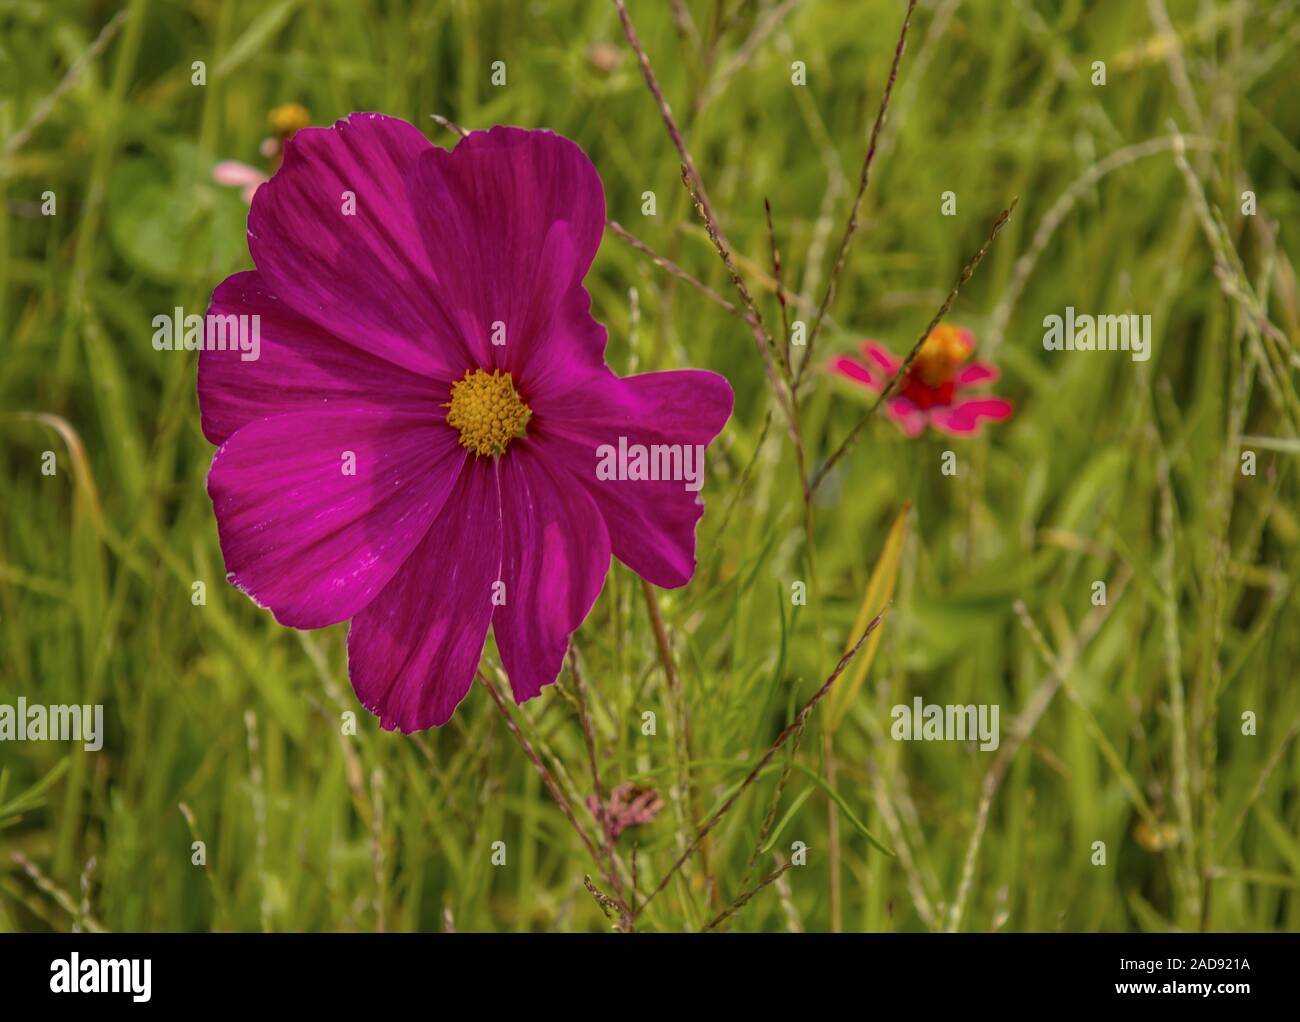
[32,798]
[835,796]
[177,226]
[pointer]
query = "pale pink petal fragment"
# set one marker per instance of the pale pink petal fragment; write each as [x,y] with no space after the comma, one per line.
[234,174]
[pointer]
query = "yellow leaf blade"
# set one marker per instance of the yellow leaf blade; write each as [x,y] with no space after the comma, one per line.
[879,591]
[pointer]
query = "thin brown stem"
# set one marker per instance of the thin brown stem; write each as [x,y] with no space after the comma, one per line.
[864,177]
[606,903]
[556,792]
[665,264]
[635,879]
[795,725]
[449,124]
[601,792]
[770,818]
[777,274]
[664,110]
[665,650]
[685,753]
[744,899]
[536,760]
[700,196]
[754,319]
[602,803]
[588,732]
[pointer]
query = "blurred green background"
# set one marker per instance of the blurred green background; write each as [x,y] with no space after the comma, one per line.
[224,728]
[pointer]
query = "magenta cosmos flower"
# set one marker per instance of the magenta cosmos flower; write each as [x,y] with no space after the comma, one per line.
[417,446]
[936,388]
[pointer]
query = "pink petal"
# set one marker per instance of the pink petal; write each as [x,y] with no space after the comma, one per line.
[911,418]
[977,372]
[234,174]
[962,419]
[413,651]
[512,220]
[248,191]
[299,367]
[554,558]
[857,372]
[572,356]
[307,541]
[366,277]
[882,357]
[651,523]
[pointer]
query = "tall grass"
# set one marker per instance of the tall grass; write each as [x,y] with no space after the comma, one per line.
[1121,723]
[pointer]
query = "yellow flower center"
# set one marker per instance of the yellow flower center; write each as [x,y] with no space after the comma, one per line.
[487,410]
[943,351]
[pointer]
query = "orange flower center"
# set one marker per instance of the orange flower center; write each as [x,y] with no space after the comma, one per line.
[487,410]
[944,350]
[288,119]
